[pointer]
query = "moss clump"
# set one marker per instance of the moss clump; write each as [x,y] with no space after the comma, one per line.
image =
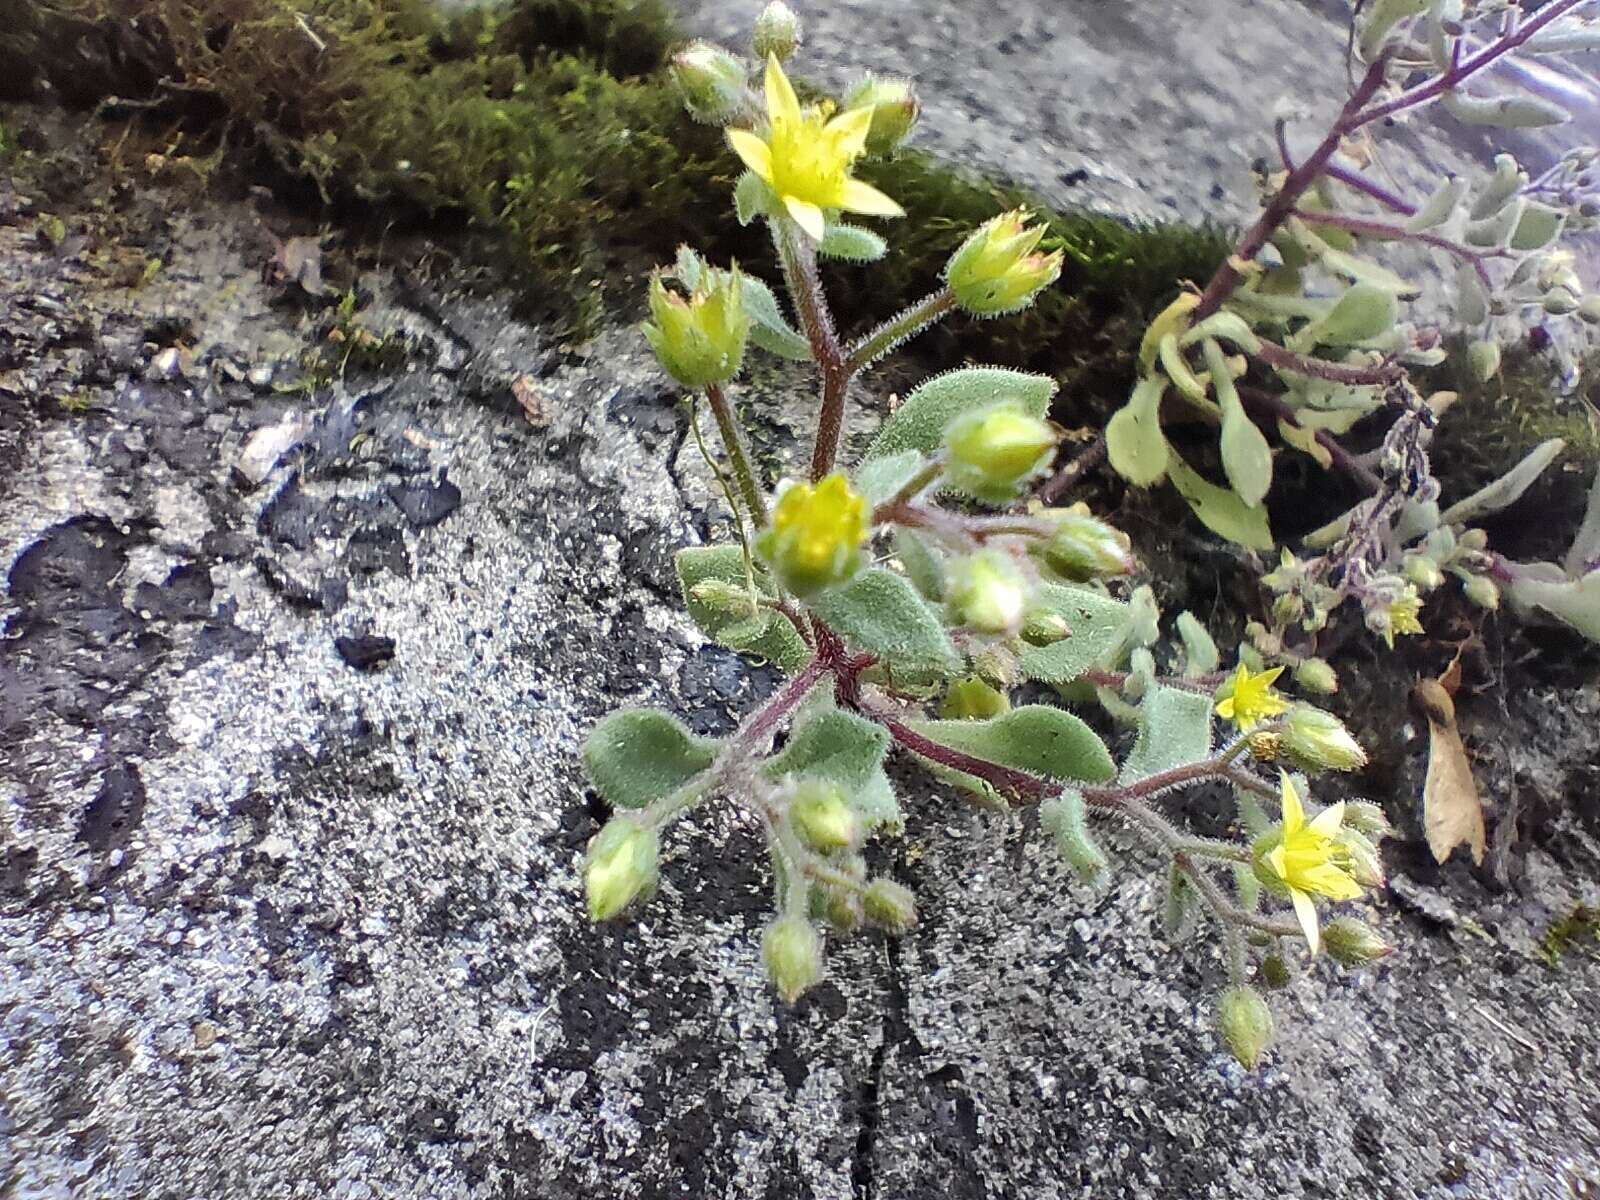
[1579,928]
[551,125]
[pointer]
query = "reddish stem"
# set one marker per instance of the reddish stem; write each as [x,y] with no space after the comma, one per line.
[1275,355]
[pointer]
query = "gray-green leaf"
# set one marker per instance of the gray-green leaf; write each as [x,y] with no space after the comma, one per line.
[881,613]
[1036,738]
[1097,623]
[1134,441]
[1246,457]
[1508,489]
[1219,509]
[760,632]
[879,479]
[1174,729]
[638,756]
[919,423]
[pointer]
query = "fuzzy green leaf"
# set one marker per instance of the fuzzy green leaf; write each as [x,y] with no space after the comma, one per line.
[1097,622]
[852,244]
[1174,729]
[638,756]
[1508,489]
[881,613]
[1574,601]
[1134,441]
[761,633]
[768,329]
[919,423]
[1246,457]
[847,750]
[1537,227]
[1035,738]
[1200,655]
[879,479]
[1221,510]
[752,197]
[924,565]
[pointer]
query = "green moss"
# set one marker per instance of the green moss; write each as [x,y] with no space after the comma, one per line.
[1580,928]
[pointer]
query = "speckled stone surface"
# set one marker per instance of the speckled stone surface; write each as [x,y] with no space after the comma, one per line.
[274,926]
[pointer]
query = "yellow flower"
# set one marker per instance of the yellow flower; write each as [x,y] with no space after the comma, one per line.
[1307,860]
[1248,699]
[1403,615]
[807,155]
[816,535]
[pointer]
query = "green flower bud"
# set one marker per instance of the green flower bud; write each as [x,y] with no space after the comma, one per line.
[710,81]
[1245,1023]
[1589,310]
[777,32]
[1082,547]
[1044,627]
[1317,741]
[1316,676]
[989,593]
[995,450]
[792,951]
[841,909]
[1275,972]
[1353,943]
[894,111]
[972,699]
[1483,358]
[1422,571]
[724,597]
[1367,818]
[816,535]
[1063,817]
[1473,539]
[890,905]
[1482,591]
[699,339]
[822,817]
[997,269]
[1561,300]
[1360,858]
[621,865]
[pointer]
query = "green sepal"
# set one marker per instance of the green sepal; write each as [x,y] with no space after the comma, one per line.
[919,423]
[752,197]
[768,328]
[924,566]
[846,750]
[881,613]
[852,244]
[638,756]
[761,633]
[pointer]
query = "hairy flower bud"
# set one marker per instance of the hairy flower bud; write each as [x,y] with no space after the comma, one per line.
[1360,859]
[1245,1023]
[1367,818]
[1559,301]
[972,699]
[1315,675]
[822,817]
[777,32]
[1063,817]
[1422,571]
[996,449]
[989,593]
[1275,972]
[890,905]
[1353,943]
[621,865]
[699,339]
[894,111]
[792,951]
[1482,591]
[816,535]
[997,270]
[1083,547]
[1317,741]
[710,81]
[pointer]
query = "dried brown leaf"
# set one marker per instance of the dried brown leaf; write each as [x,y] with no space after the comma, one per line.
[531,398]
[1452,814]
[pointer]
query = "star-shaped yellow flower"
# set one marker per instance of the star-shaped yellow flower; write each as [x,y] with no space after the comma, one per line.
[1403,615]
[1248,699]
[1309,861]
[807,155]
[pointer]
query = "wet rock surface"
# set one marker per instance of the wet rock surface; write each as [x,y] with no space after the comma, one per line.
[274,926]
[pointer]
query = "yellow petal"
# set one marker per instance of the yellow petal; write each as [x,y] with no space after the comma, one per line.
[1294,817]
[1225,708]
[1328,880]
[783,106]
[1327,821]
[864,198]
[851,127]
[755,153]
[1277,859]
[807,216]
[1268,678]
[1306,912]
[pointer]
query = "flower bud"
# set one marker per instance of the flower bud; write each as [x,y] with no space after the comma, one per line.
[997,270]
[1063,817]
[1360,858]
[1245,1023]
[972,699]
[816,535]
[1045,627]
[1422,571]
[894,111]
[1473,539]
[1483,357]
[1318,741]
[777,32]
[621,865]
[723,597]
[792,951]
[1275,972]
[1589,310]
[1082,547]
[710,81]
[699,339]
[890,905]
[988,593]
[1367,818]
[1482,591]
[994,450]
[822,817]
[1315,675]
[1353,943]
[1561,300]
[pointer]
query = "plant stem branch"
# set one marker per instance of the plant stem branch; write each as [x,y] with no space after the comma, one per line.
[1073,470]
[738,453]
[1385,229]
[1275,355]
[799,259]
[907,323]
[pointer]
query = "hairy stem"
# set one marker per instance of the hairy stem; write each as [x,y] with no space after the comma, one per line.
[905,324]
[799,259]
[738,451]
